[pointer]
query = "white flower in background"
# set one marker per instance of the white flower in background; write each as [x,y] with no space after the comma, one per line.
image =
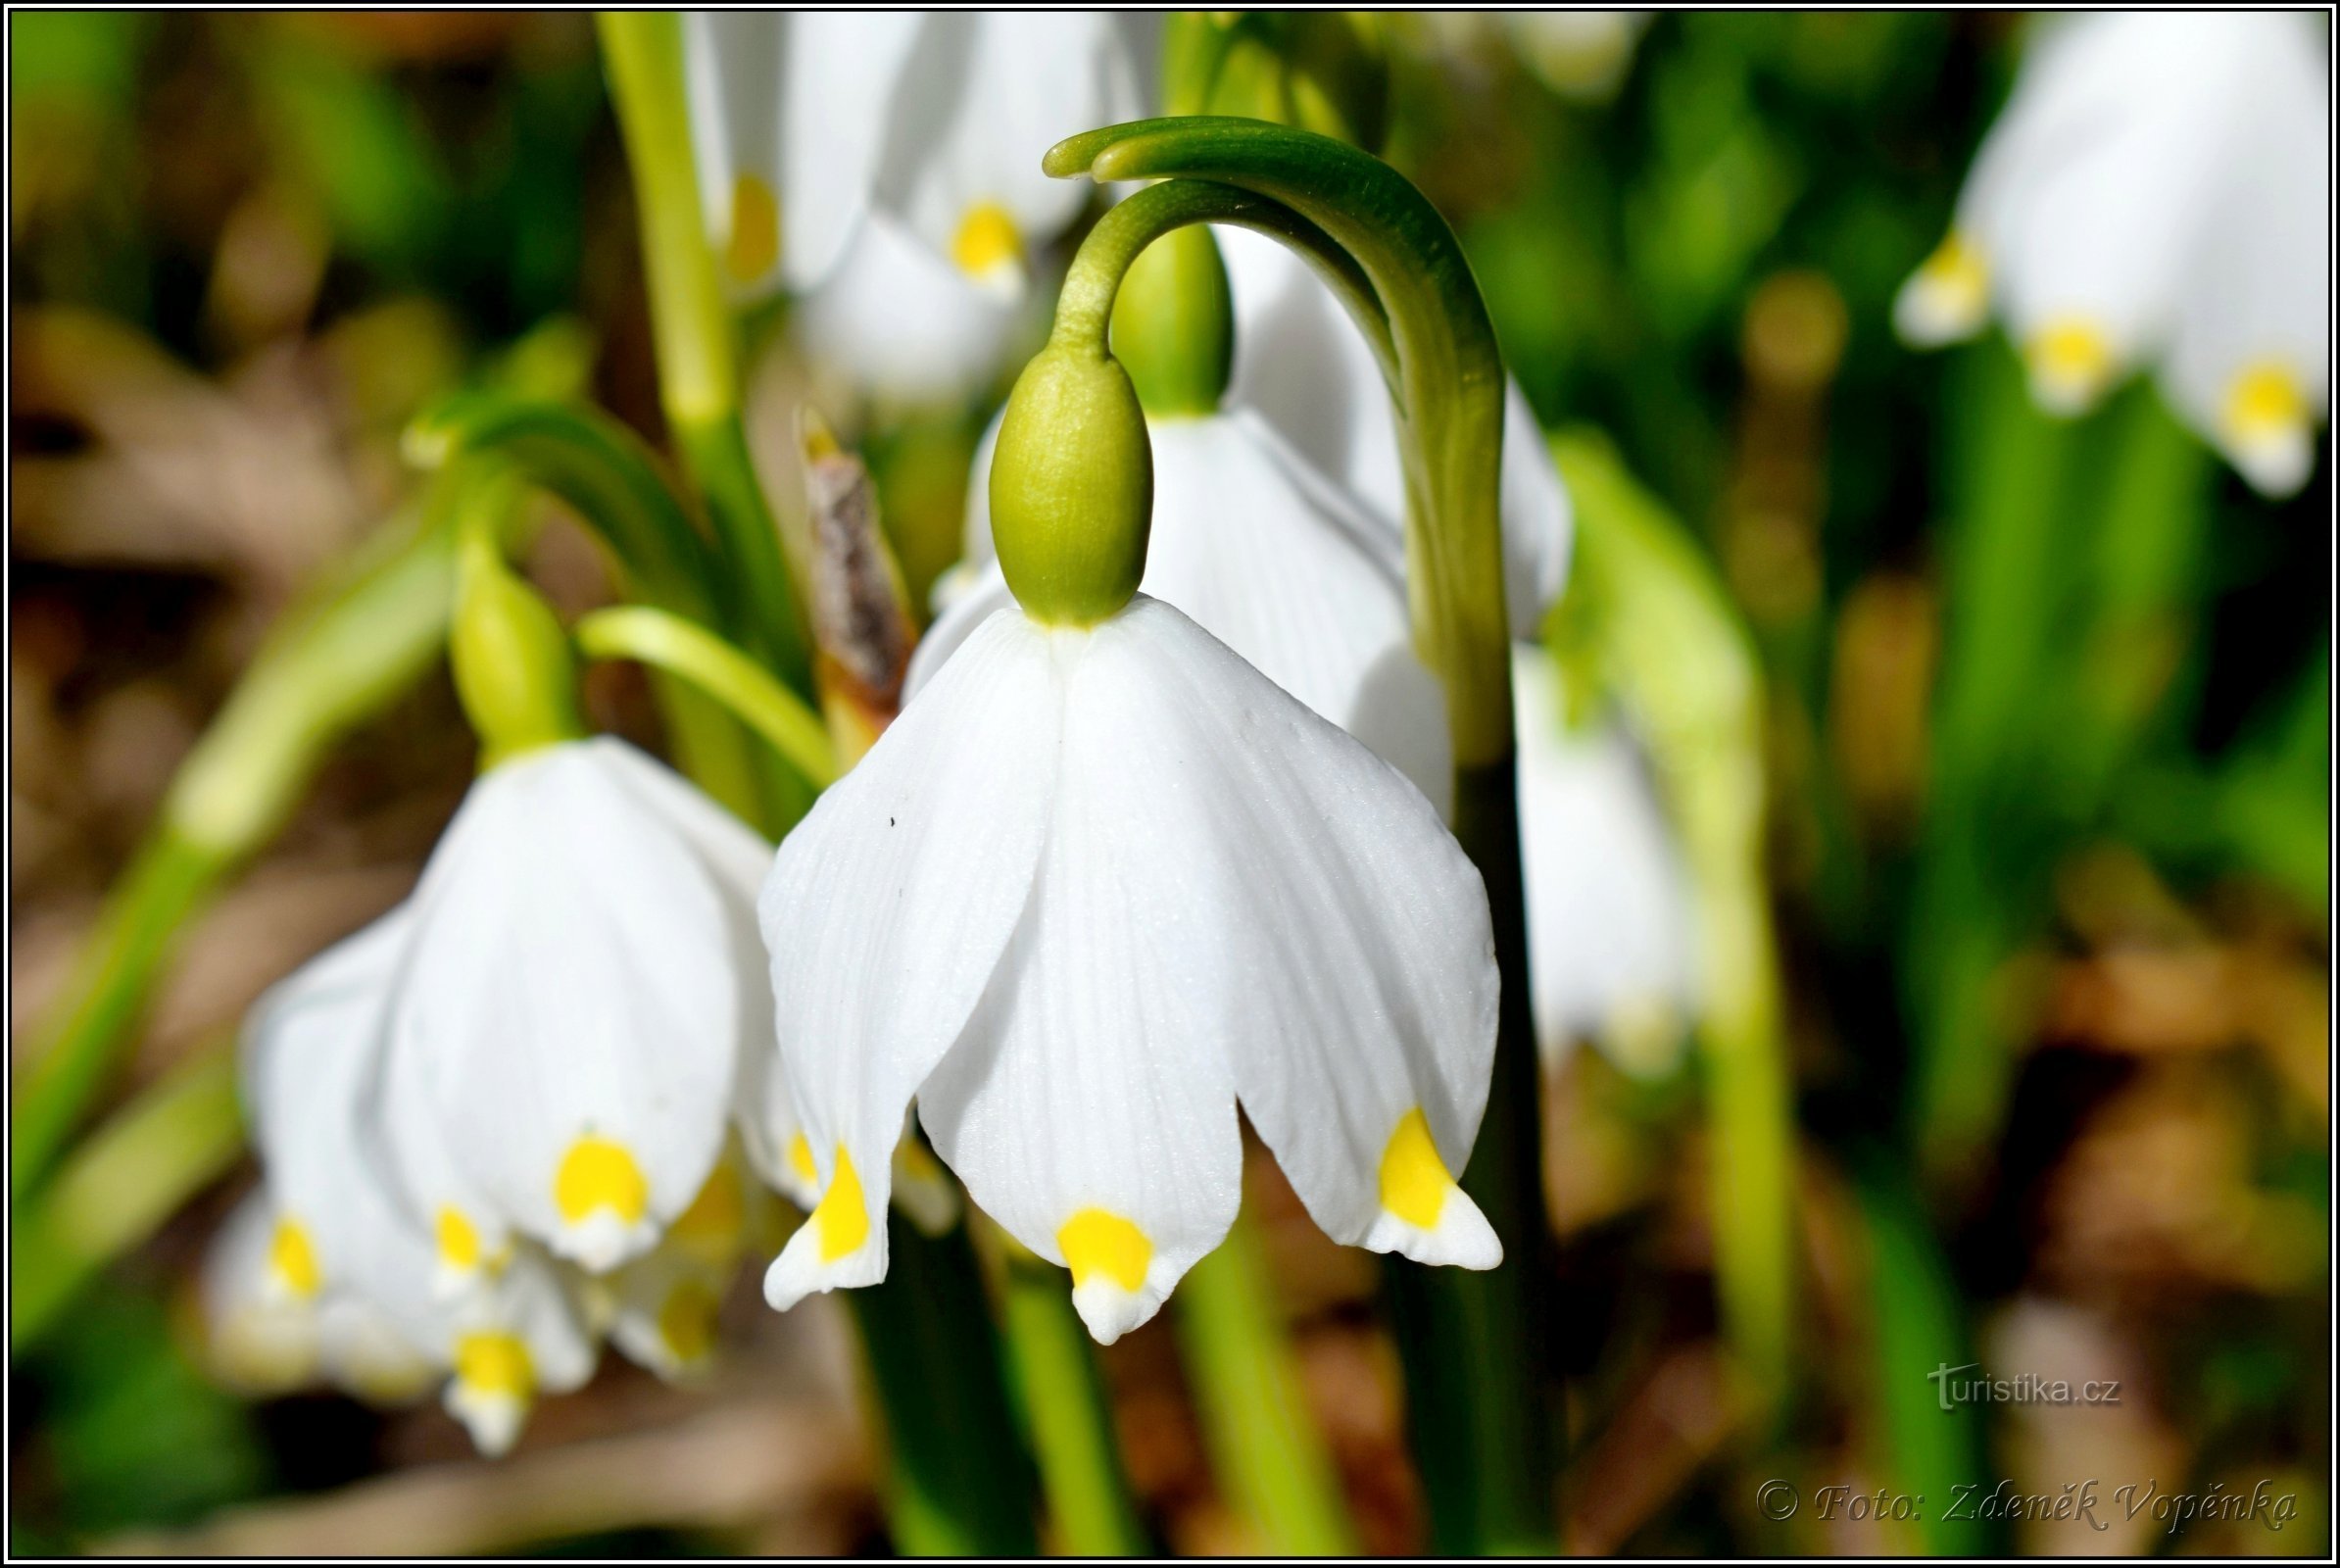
[342,1235]
[262,1336]
[573,1001]
[1611,942]
[1306,369]
[1093,888]
[1578,54]
[2157,191]
[1270,557]
[888,163]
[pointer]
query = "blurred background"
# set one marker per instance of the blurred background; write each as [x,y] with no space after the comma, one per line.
[248,248]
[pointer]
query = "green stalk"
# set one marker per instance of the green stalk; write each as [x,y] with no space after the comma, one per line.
[692,328]
[1479,1393]
[337,660]
[1264,1445]
[1067,1412]
[685,648]
[1670,644]
[1914,1305]
[2008,546]
[959,1481]
[124,1182]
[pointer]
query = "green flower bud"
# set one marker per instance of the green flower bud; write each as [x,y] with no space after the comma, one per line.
[1174,324]
[513,667]
[1072,487]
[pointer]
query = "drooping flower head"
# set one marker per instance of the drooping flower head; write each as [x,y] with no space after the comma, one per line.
[1101,882]
[2157,192]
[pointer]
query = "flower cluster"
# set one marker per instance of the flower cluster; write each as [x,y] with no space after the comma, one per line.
[496,1123]
[2158,190]
[884,165]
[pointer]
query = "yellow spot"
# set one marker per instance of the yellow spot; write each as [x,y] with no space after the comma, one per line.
[458,1241]
[2265,401]
[1096,1241]
[986,240]
[843,1216]
[495,1362]
[293,1256]
[595,1174]
[753,248]
[2071,360]
[687,1322]
[799,1160]
[1958,276]
[718,1216]
[1414,1181]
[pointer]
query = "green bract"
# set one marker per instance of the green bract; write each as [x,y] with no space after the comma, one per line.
[1072,487]
[512,667]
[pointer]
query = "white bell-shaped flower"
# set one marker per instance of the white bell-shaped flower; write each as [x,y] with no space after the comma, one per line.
[1611,941]
[924,296]
[789,118]
[573,1001]
[1303,366]
[1269,557]
[1094,888]
[343,1234]
[2157,191]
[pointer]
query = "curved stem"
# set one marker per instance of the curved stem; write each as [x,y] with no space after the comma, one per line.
[1084,305]
[683,648]
[1448,383]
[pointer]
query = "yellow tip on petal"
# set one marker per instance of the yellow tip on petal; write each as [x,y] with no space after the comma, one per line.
[495,1362]
[842,1220]
[458,1241]
[754,246]
[1947,297]
[2071,363]
[1096,1241]
[1415,1182]
[988,246]
[687,1322]
[292,1259]
[2264,428]
[599,1174]
[800,1159]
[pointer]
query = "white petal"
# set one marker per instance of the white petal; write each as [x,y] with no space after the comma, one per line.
[1265,554]
[1088,1105]
[1304,366]
[364,1352]
[526,1336]
[887,910]
[983,95]
[260,1338]
[574,1003]
[1357,983]
[904,326]
[732,68]
[666,1318]
[1611,944]
[837,95]
[312,1049]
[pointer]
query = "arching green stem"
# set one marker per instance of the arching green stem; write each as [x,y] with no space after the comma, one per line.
[1479,1394]
[684,648]
[1449,375]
